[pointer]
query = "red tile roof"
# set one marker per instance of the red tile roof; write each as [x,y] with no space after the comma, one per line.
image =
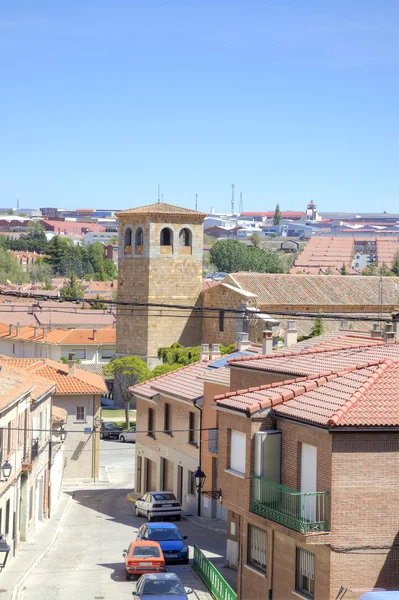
[183,383]
[69,227]
[67,337]
[160,208]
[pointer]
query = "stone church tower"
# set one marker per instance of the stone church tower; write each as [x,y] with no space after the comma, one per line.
[160,261]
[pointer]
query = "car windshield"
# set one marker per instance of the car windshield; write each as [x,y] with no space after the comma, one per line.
[161,497]
[145,551]
[163,587]
[132,430]
[162,534]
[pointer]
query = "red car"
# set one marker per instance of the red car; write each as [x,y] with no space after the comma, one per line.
[143,557]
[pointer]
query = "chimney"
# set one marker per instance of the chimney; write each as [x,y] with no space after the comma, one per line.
[18,329]
[267,342]
[376,332]
[71,363]
[10,329]
[344,324]
[243,341]
[35,330]
[389,333]
[204,356]
[290,334]
[94,334]
[215,352]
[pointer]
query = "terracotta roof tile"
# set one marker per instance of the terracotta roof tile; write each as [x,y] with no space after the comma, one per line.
[68,337]
[160,208]
[183,383]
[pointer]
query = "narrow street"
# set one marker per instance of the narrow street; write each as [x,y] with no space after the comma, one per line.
[86,560]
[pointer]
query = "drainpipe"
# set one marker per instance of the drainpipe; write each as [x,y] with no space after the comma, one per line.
[200,454]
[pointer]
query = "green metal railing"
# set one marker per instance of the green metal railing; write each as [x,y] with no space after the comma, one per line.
[305,512]
[214,581]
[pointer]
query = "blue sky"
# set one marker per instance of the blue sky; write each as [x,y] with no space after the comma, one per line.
[102,101]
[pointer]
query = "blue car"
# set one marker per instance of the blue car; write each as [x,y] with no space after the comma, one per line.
[170,539]
[160,586]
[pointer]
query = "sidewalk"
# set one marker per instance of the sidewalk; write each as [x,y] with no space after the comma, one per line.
[32,552]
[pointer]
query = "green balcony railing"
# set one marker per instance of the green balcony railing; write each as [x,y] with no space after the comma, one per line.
[305,512]
[212,578]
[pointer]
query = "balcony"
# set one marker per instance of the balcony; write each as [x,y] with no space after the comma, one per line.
[304,512]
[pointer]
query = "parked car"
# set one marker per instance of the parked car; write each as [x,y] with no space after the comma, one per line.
[109,430]
[128,436]
[158,504]
[143,557]
[160,587]
[170,539]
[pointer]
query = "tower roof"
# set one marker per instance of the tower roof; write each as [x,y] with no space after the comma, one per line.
[161,208]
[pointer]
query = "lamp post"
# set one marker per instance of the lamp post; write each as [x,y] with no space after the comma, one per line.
[4,551]
[199,477]
[6,471]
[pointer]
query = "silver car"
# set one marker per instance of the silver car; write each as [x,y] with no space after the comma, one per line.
[158,504]
[128,436]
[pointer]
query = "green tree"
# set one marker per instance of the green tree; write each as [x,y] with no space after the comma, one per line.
[98,305]
[163,369]
[395,265]
[371,269]
[256,239]
[343,270]
[64,360]
[126,372]
[72,289]
[47,285]
[181,355]
[233,256]
[40,271]
[277,215]
[9,268]
[318,327]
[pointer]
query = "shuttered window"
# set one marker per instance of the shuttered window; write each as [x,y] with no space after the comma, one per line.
[257,548]
[305,562]
[237,451]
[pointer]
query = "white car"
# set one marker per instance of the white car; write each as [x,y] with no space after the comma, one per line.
[158,504]
[128,436]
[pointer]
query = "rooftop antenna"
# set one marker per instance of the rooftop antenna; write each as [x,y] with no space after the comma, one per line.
[196,201]
[17,204]
[159,198]
[232,198]
[241,203]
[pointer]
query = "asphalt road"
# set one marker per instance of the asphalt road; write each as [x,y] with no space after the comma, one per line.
[86,560]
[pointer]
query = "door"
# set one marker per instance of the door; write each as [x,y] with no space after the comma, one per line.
[167,475]
[221,512]
[151,476]
[180,484]
[308,482]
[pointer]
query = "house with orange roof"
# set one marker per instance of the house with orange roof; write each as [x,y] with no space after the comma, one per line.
[77,394]
[308,466]
[93,346]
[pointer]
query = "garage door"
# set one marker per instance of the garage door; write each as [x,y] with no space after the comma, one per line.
[151,476]
[167,475]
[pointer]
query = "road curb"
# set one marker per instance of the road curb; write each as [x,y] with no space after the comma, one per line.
[132,497]
[43,555]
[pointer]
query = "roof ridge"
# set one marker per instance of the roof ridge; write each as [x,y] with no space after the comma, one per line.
[356,396]
[312,350]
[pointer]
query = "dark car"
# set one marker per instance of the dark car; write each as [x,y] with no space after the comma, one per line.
[161,586]
[109,430]
[170,539]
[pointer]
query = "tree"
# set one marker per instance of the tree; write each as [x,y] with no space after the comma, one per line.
[318,327]
[98,305]
[277,215]
[9,268]
[181,355]
[126,372]
[40,271]
[395,265]
[233,256]
[371,269]
[343,270]
[72,289]
[255,239]
[64,360]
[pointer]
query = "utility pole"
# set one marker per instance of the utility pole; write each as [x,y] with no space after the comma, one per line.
[159,196]
[232,198]
[241,204]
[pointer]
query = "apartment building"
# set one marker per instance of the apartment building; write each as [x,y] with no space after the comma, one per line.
[92,346]
[308,470]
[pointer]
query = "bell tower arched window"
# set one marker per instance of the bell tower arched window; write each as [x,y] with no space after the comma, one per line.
[166,237]
[139,241]
[128,240]
[185,237]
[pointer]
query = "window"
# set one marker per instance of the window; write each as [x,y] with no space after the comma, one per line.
[150,427]
[7,523]
[166,237]
[9,439]
[191,489]
[185,237]
[128,238]
[80,353]
[237,451]
[221,321]
[167,412]
[191,428]
[80,413]
[107,353]
[13,348]
[139,238]
[257,548]
[304,583]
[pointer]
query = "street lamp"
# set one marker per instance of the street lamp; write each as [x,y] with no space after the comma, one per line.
[62,435]
[6,470]
[199,477]
[4,551]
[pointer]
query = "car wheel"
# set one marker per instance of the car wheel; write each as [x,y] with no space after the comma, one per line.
[101,435]
[121,439]
[127,576]
[137,512]
[149,517]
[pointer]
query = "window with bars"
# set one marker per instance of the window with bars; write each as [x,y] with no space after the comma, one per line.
[191,428]
[257,548]
[150,428]
[167,411]
[305,563]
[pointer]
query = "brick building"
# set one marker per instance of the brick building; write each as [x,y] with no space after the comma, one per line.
[160,261]
[308,468]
